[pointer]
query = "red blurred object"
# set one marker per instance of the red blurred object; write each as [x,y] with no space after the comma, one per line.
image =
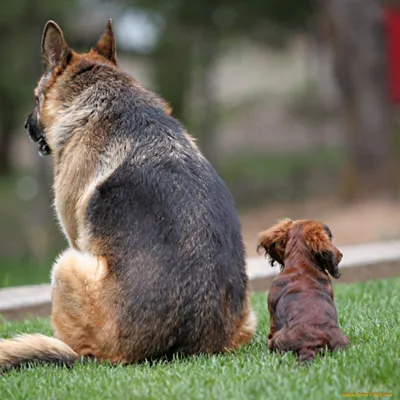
[392,25]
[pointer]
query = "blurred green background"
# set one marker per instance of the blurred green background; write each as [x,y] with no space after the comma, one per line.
[288,99]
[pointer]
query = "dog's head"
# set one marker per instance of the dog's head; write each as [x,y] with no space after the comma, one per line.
[308,238]
[62,81]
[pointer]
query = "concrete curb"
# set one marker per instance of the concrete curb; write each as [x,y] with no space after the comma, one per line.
[18,303]
[360,263]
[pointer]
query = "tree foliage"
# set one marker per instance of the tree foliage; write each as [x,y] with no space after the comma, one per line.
[231,15]
[189,41]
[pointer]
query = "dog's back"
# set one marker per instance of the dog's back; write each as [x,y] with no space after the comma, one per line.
[305,316]
[170,232]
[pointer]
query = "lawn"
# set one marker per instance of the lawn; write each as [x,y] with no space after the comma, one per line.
[369,315]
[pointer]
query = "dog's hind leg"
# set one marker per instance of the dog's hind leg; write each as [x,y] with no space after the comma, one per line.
[84,298]
[246,327]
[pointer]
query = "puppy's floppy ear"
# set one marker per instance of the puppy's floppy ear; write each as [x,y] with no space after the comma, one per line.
[330,261]
[273,241]
[106,46]
[55,50]
[326,255]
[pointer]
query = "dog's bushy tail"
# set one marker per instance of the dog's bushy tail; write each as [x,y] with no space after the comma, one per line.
[30,348]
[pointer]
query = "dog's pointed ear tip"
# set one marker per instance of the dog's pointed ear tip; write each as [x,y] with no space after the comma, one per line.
[50,24]
[51,34]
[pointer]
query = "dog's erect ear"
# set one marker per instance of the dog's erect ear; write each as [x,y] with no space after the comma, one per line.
[106,46]
[273,241]
[55,50]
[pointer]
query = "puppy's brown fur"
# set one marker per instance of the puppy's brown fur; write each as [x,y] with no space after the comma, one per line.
[303,316]
[156,262]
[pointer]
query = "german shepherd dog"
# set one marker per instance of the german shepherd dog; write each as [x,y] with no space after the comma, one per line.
[156,264]
[303,316]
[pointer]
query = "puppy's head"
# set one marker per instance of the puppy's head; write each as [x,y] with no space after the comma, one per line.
[307,238]
[62,81]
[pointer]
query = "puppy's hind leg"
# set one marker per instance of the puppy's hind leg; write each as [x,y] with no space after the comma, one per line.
[83,305]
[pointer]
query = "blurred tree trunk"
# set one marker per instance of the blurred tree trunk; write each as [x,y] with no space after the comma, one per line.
[207,114]
[184,55]
[320,60]
[5,146]
[173,67]
[360,62]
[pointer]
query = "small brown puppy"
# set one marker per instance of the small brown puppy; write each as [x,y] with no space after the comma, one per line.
[302,310]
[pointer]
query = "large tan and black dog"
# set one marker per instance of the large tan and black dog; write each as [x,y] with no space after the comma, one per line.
[156,261]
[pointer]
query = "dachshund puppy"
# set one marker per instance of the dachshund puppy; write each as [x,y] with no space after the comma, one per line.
[302,310]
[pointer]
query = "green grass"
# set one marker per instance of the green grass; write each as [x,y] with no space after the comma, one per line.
[369,315]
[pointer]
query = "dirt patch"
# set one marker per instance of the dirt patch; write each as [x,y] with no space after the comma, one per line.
[351,224]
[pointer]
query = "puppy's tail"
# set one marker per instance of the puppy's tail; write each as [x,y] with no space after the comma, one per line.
[308,354]
[24,349]
[305,347]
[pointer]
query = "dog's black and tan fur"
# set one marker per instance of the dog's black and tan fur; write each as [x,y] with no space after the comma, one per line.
[156,261]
